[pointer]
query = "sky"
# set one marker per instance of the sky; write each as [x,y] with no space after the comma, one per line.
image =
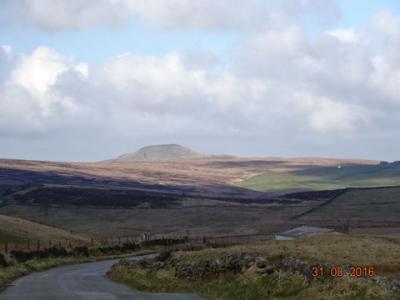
[87,80]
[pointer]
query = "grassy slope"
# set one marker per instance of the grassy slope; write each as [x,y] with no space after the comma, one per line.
[14,229]
[210,220]
[377,206]
[322,178]
[371,208]
[383,253]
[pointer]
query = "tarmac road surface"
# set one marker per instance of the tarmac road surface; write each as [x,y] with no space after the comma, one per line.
[82,282]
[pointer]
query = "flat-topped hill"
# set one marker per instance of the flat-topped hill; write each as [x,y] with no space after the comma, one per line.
[159,153]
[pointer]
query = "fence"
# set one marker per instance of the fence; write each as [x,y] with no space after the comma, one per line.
[38,244]
[145,239]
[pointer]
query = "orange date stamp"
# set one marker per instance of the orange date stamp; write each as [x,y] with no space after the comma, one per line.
[342,271]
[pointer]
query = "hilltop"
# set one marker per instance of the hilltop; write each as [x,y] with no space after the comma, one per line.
[159,153]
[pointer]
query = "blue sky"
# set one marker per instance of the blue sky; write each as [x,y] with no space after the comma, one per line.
[99,44]
[136,36]
[88,80]
[357,12]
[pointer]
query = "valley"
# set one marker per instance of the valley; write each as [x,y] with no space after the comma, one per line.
[207,195]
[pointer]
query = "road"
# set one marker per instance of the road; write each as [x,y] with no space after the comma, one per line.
[81,282]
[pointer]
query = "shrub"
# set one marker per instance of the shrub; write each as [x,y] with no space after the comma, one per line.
[3,262]
[81,250]
[20,256]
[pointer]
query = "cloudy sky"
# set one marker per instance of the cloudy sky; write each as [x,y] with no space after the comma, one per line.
[85,80]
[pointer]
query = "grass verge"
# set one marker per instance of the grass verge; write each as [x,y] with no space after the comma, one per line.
[380,252]
[250,286]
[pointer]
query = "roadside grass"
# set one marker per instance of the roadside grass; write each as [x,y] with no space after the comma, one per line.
[383,253]
[250,286]
[12,272]
[378,251]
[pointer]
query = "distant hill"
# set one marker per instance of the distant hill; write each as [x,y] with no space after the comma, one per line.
[159,153]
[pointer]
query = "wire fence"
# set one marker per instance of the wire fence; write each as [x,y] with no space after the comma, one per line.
[146,239]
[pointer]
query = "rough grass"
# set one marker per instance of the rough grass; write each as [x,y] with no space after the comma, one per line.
[250,286]
[381,252]
[13,229]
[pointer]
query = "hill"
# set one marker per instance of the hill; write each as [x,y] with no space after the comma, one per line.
[201,193]
[159,153]
[14,229]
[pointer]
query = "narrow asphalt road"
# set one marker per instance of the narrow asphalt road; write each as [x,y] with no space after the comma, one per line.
[85,281]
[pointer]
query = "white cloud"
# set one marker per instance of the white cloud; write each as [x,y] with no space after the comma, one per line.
[278,84]
[28,100]
[279,76]
[327,115]
[38,71]
[345,35]
[386,22]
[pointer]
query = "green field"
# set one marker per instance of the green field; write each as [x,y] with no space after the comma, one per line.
[376,207]
[323,178]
